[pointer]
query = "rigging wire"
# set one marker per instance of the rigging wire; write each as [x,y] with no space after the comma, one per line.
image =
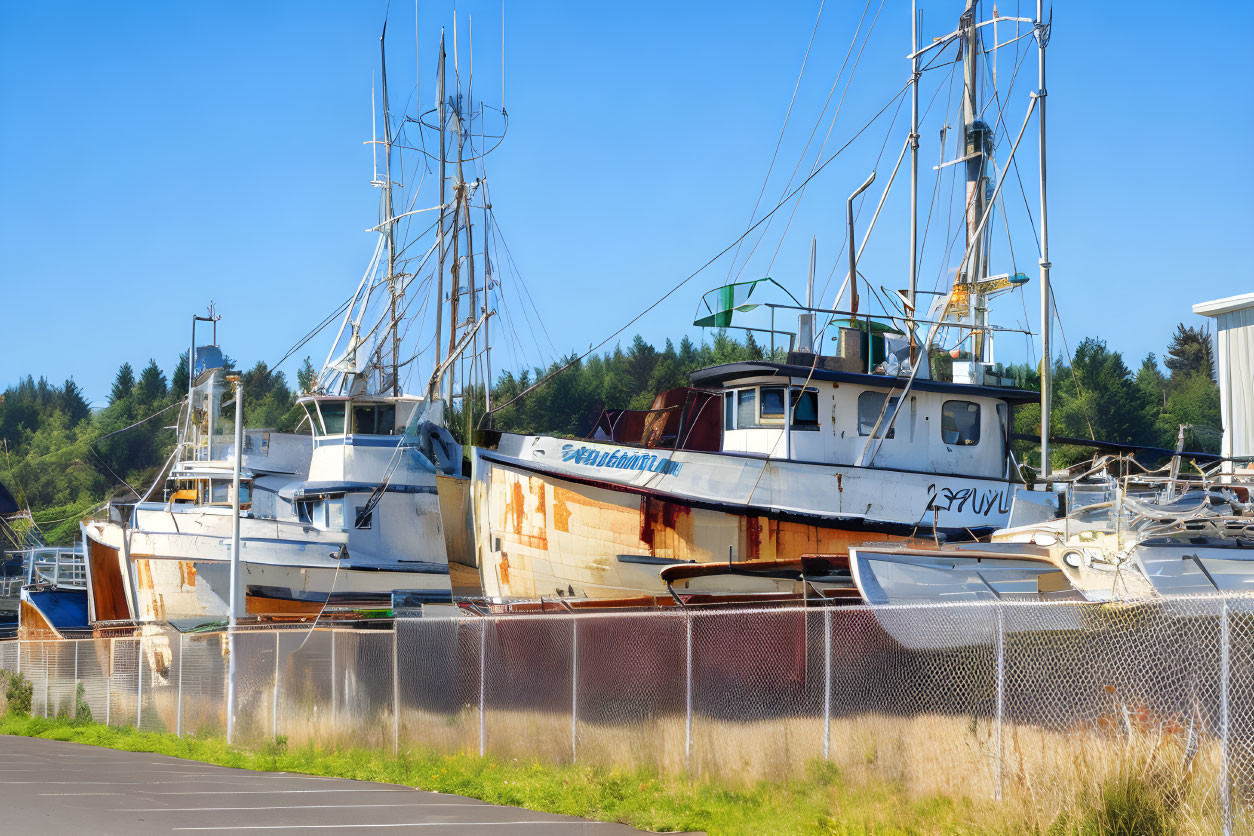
[814,130]
[830,127]
[714,258]
[783,128]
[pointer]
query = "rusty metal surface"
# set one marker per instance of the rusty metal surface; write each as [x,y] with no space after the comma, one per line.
[550,537]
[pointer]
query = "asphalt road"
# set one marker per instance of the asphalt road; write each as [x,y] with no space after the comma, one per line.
[52,787]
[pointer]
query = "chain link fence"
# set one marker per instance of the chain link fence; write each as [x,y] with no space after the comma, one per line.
[1038,705]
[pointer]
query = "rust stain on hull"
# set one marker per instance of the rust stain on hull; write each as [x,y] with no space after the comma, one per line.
[592,528]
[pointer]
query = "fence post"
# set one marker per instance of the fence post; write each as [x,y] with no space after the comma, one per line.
[43,646]
[1225,787]
[827,683]
[74,708]
[688,691]
[335,688]
[139,687]
[1001,693]
[274,707]
[574,687]
[483,658]
[109,685]
[178,702]
[396,687]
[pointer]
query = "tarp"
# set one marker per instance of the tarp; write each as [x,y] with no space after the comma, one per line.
[8,505]
[722,302]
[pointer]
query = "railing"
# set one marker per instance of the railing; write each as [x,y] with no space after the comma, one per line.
[60,568]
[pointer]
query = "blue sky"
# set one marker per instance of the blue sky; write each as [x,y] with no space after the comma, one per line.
[159,156]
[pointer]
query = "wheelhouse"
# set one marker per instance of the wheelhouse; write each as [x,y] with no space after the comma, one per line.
[803,414]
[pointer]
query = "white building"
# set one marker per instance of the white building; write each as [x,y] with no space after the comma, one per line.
[1234,344]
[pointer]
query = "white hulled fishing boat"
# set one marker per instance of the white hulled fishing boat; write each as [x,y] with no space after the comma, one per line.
[369,504]
[904,431]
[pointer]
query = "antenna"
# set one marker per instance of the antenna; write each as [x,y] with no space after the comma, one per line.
[456,73]
[502,55]
[374,133]
[418,60]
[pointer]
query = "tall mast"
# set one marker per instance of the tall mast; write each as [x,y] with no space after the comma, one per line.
[1047,384]
[976,147]
[439,291]
[914,168]
[389,225]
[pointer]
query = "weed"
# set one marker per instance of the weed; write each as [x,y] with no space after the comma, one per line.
[18,692]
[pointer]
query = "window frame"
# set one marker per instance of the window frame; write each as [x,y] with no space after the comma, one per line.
[960,442]
[795,396]
[773,420]
[880,408]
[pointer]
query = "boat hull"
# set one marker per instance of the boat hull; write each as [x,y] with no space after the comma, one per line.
[548,524]
[160,577]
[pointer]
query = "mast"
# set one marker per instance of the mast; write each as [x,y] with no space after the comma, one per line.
[914,170]
[439,291]
[387,217]
[977,145]
[1047,384]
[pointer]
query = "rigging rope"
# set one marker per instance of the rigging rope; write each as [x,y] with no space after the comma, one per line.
[712,259]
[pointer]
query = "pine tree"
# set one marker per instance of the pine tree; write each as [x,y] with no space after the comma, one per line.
[305,376]
[178,377]
[73,404]
[1189,353]
[152,386]
[123,384]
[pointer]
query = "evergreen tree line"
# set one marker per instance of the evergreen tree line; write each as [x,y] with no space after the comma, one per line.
[62,458]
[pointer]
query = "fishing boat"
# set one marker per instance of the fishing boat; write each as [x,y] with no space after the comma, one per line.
[371,502]
[1125,537]
[901,430]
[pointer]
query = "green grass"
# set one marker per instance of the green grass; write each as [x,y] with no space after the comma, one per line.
[819,804]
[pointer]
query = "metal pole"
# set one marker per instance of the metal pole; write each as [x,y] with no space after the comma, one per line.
[396,689]
[274,707]
[335,689]
[574,685]
[235,598]
[853,252]
[43,648]
[914,167]
[178,717]
[1225,672]
[439,284]
[827,683]
[139,684]
[109,686]
[1042,40]
[483,646]
[74,708]
[688,690]
[1001,693]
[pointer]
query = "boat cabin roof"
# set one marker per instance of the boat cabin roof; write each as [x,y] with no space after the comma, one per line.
[730,374]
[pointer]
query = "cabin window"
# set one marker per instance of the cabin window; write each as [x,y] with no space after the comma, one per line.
[729,411]
[960,423]
[746,408]
[304,510]
[363,419]
[805,409]
[332,417]
[363,518]
[772,405]
[220,493]
[870,407]
[335,514]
